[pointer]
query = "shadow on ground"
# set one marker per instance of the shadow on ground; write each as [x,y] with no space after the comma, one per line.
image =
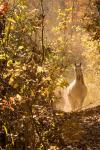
[77,130]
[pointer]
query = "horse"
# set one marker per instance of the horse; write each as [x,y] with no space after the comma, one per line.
[61,101]
[77,90]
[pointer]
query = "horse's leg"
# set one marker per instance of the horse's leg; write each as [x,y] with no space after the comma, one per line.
[72,102]
[80,102]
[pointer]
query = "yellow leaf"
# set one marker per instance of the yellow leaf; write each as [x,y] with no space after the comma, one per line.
[32,93]
[11,20]
[20,47]
[39,69]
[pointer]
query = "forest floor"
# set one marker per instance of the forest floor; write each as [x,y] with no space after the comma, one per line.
[75,131]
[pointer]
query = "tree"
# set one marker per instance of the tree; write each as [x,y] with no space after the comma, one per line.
[93,19]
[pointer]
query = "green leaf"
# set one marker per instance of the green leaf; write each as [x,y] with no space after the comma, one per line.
[5,129]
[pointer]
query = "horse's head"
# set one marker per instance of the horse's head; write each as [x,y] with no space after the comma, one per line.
[78,70]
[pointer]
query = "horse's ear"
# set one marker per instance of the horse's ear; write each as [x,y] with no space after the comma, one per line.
[75,64]
[80,64]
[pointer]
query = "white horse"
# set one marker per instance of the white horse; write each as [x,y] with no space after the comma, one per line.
[61,99]
[77,90]
[72,97]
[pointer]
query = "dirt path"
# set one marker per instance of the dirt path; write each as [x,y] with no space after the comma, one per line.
[78,131]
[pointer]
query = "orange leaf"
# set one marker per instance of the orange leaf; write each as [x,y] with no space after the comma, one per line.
[11,100]
[4,8]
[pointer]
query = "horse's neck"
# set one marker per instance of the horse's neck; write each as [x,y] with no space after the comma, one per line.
[79,79]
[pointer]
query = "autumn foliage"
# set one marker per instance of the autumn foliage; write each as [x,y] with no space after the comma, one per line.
[4,8]
[38,48]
